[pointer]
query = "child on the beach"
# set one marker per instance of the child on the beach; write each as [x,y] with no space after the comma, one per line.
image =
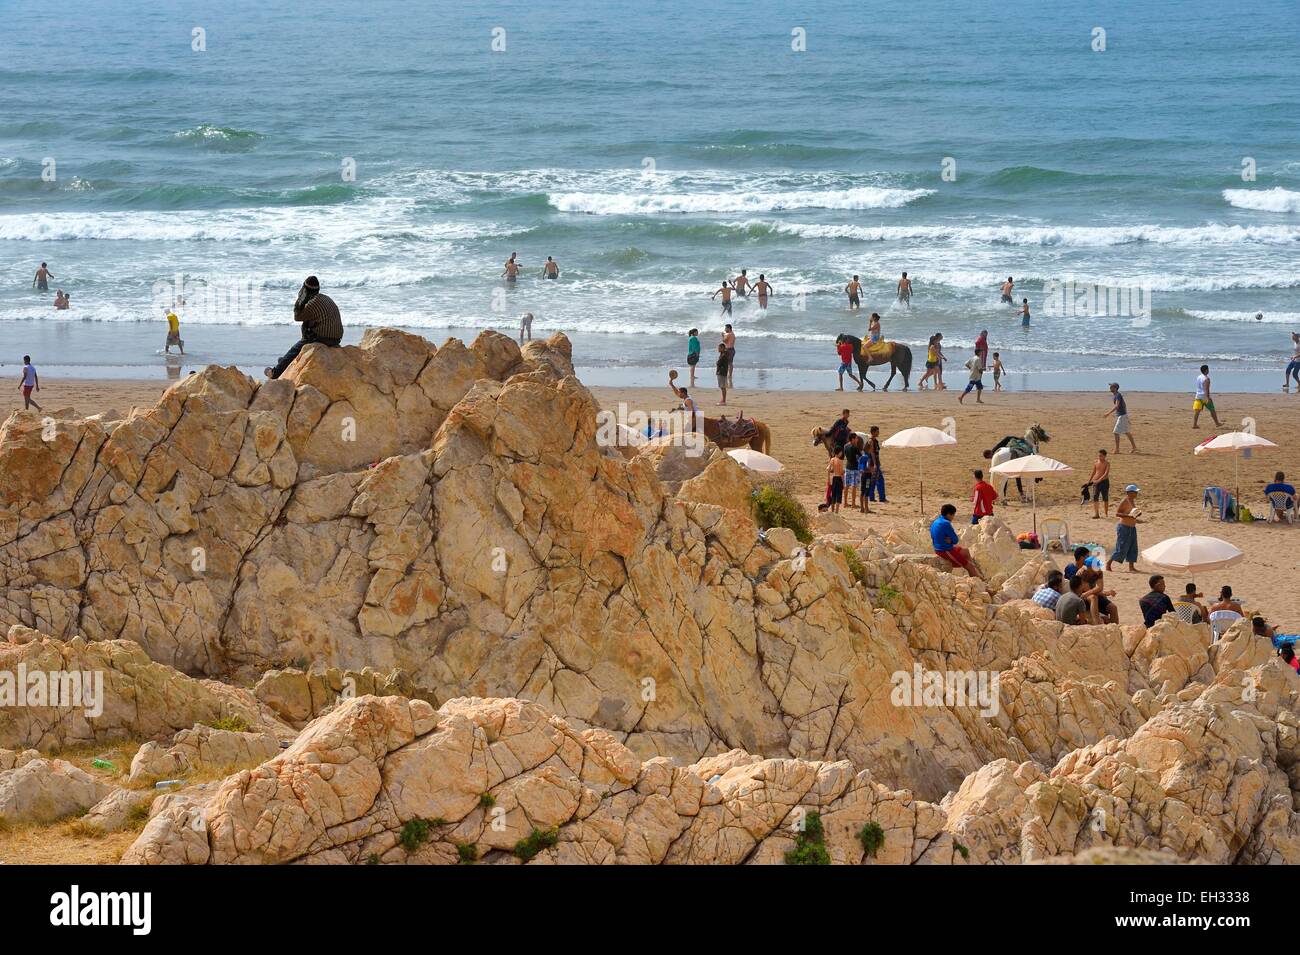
[976,366]
[723,369]
[998,369]
[1024,313]
[693,352]
[845,350]
[836,471]
[30,381]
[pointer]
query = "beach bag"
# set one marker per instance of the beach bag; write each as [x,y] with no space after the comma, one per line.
[1244,515]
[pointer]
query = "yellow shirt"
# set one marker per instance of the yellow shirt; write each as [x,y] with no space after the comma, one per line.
[173,323]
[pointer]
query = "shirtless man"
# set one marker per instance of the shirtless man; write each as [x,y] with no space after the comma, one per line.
[551,270]
[42,279]
[512,268]
[1007,287]
[854,291]
[725,292]
[1099,483]
[742,284]
[764,288]
[729,343]
[694,417]
[1126,534]
[905,290]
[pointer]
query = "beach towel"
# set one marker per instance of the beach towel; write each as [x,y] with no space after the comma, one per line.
[1219,499]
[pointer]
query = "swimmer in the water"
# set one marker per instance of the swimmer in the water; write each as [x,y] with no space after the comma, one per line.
[725,291]
[854,291]
[764,288]
[905,290]
[512,268]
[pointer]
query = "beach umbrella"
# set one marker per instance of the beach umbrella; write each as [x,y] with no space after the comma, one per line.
[920,438]
[1192,554]
[1031,466]
[756,460]
[1239,443]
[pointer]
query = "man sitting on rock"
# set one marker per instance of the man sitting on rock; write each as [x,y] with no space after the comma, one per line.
[321,323]
[944,537]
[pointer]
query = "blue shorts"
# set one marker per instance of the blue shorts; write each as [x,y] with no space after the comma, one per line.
[977,385]
[845,366]
[1293,368]
[852,478]
[1126,545]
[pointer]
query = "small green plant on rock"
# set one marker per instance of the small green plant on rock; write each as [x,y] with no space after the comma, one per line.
[487,801]
[965,853]
[536,841]
[872,838]
[887,595]
[856,567]
[775,508]
[467,853]
[415,834]
[233,724]
[809,843]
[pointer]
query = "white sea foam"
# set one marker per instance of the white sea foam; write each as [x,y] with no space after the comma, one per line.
[658,203]
[1270,318]
[1276,199]
[1066,236]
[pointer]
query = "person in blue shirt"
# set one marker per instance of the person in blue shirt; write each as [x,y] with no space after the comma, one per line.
[945,540]
[1279,486]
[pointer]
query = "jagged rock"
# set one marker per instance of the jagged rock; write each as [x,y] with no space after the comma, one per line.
[361,774]
[201,748]
[43,790]
[140,698]
[10,759]
[297,696]
[114,812]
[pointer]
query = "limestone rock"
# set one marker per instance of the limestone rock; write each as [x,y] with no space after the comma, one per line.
[201,748]
[44,790]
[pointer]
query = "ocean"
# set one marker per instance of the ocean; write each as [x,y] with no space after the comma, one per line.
[401,151]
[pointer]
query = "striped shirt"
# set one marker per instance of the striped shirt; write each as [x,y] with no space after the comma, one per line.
[320,319]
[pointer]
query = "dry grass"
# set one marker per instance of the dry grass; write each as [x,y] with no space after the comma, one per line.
[71,842]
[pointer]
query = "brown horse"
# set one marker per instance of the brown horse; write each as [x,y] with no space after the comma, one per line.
[898,357]
[761,440]
[728,435]
[820,436]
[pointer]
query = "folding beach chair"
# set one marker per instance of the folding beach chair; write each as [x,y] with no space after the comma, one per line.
[1218,499]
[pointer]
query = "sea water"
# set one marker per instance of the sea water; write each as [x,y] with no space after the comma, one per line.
[402,150]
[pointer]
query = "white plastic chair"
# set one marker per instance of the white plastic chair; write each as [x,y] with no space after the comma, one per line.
[1055,529]
[1186,612]
[1283,502]
[1221,620]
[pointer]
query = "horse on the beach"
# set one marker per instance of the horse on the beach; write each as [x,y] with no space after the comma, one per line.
[897,355]
[822,435]
[728,433]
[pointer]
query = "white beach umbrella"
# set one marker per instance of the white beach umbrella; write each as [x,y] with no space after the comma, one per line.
[1031,466]
[921,437]
[756,460]
[1192,554]
[1238,442]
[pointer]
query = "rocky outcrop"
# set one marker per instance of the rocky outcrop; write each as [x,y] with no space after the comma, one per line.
[201,748]
[119,694]
[392,780]
[43,790]
[118,810]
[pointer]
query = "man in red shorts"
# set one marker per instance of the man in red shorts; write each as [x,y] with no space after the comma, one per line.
[944,537]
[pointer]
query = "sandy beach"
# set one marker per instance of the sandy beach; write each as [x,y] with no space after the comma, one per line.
[1171,477]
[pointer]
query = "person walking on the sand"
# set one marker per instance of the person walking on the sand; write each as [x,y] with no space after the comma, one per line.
[845,350]
[1119,408]
[30,382]
[1293,366]
[1126,532]
[1204,401]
